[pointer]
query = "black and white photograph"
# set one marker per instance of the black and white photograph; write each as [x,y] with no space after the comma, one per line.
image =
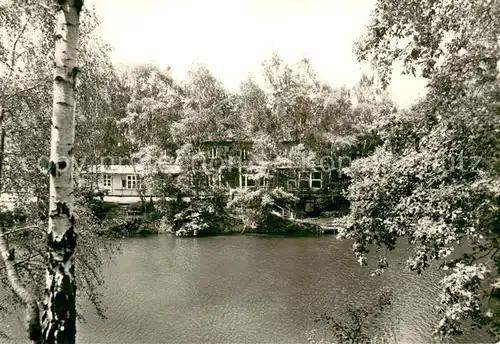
[249,171]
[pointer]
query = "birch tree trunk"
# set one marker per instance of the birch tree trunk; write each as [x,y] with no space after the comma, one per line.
[59,313]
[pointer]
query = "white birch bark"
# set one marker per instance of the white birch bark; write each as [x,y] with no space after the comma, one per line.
[59,315]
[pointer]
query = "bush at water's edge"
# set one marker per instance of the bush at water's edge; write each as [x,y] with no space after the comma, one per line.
[135,227]
[202,219]
[272,224]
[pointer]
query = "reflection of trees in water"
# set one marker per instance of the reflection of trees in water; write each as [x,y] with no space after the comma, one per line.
[355,324]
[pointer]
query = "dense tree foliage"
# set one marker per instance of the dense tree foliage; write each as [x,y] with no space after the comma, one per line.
[429,174]
[154,102]
[434,178]
[290,121]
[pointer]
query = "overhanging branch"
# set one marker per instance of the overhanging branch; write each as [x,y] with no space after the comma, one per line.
[32,311]
[37,84]
[3,233]
[23,261]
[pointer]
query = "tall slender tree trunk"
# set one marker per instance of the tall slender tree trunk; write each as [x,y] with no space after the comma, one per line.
[59,313]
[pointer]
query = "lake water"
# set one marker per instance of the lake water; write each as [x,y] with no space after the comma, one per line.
[251,289]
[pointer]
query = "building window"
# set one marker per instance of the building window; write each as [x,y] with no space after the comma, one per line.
[243,154]
[264,183]
[311,180]
[249,182]
[304,180]
[133,181]
[212,153]
[316,181]
[213,180]
[106,180]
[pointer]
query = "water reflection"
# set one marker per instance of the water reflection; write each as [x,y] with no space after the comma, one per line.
[251,289]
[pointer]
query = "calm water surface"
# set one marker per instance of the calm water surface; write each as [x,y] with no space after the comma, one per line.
[250,289]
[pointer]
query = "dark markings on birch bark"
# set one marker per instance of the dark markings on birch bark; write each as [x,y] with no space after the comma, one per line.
[52,168]
[61,165]
[63,294]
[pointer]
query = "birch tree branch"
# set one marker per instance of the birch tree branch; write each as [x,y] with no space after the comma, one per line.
[32,311]
[24,260]
[37,84]
[13,58]
[3,233]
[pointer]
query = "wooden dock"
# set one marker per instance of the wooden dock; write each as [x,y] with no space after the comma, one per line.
[324,228]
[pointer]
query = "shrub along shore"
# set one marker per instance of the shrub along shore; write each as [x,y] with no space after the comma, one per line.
[199,218]
[141,226]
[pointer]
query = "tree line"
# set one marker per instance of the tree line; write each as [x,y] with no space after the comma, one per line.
[401,188]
